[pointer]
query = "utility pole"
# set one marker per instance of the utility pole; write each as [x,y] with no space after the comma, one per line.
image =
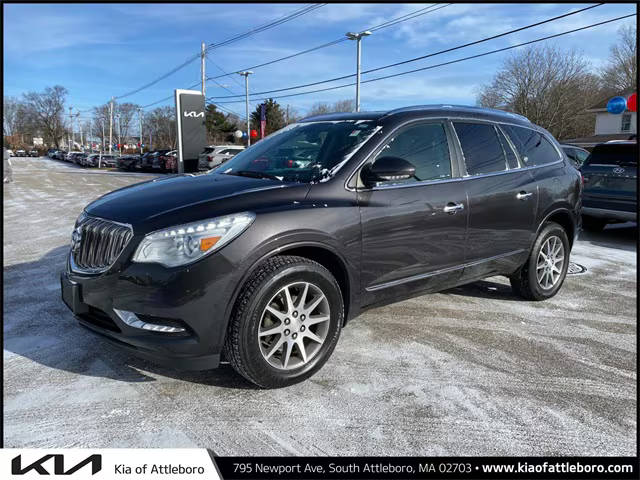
[358,38]
[140,119]
[71,126]
[202,66]
[80,129]
[110,124]
[246,74]
[119,135]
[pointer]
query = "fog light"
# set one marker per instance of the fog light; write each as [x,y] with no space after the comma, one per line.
[132,320]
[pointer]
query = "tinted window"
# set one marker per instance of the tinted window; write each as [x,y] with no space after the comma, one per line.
[425,146]
[512,161]
[228,150]
[581,155]
[481,148]
[614,154]
[533,147]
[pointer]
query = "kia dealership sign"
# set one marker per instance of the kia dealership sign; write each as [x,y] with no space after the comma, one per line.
[192,135]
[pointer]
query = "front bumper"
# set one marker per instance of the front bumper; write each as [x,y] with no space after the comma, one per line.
[189,297]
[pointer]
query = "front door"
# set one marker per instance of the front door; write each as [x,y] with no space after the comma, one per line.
[413,231]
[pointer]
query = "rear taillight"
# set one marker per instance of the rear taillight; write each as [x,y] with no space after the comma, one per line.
[209,158]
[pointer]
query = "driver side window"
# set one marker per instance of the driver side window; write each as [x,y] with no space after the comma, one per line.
[425,146]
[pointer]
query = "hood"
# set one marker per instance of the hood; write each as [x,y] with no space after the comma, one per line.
[182,196]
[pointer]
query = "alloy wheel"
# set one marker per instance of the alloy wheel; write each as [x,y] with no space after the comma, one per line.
[550,262]
[294,325]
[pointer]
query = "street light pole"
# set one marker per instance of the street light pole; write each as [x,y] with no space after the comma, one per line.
[119,135]
[110,124]
[358,38]
[71,126]
[202,66]
[140,119]
[246,74]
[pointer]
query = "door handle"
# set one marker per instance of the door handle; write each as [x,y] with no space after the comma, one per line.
[452,208]
[523,195]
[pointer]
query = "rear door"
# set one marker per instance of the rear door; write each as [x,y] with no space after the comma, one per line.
[502,200]
[413,231]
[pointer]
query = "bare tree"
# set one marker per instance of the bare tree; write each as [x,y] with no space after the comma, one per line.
[12,111]
[101,123]
[621,72]
[126,112]
[547,85]
[160,124]
[320,108]
[45,111]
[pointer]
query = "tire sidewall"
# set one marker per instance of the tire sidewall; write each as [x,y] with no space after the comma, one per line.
[548,231]
[249,346]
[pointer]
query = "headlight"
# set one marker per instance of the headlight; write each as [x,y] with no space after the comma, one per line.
[187,243]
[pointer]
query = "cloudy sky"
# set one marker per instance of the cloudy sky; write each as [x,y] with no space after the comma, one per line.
[103,50]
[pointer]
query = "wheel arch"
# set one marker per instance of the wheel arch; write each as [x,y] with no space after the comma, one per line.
[563,217]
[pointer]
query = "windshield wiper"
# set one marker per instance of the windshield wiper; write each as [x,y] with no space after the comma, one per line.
[253,174]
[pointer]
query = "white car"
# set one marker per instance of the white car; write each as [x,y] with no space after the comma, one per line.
[213,156]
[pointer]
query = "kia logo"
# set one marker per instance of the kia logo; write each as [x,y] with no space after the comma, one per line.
[194,114]
[618,170]
[58,465]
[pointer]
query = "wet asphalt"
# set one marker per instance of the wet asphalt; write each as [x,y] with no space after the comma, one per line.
[470,371]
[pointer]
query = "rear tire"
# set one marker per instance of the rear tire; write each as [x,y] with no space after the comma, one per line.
[281,297]
[593,224]
[542,275]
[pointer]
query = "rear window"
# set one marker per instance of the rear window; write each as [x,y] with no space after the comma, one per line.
[533,147]
[481,148]
[614,154]
[208,150]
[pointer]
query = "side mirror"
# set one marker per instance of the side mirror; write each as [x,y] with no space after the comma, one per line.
[385,169]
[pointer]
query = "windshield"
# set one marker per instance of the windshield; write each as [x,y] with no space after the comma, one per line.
[302,152]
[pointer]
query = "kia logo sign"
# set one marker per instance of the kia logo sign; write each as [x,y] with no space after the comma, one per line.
[193,114]
[58,465]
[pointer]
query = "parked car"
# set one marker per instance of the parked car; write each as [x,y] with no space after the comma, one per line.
[50,152]
[34,153]
[110,161]
[213,156]
[264,260]
[60,155]
[610,185]
[77,157]
[10,153]
[128,162]
[146,161]
[21,153]
[576,154]
[164,161]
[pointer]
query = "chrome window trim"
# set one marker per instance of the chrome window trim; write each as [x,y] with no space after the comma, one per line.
[451,119]
[95,271]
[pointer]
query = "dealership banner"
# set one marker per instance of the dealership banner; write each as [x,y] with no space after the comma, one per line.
[191,125]
[194,463]
[107,463]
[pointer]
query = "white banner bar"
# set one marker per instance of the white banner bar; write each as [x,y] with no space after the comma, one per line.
[107,463]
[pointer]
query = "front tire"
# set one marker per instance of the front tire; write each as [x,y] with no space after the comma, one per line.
[544,272]
[285,323]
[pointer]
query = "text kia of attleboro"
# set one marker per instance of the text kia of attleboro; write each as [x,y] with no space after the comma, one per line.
[263,260]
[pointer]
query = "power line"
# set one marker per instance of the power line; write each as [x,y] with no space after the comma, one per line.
[193,58]
[343,77]
[414,14]
[443,64]
[267,26]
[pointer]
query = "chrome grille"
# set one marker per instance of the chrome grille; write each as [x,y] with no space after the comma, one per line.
[97,243]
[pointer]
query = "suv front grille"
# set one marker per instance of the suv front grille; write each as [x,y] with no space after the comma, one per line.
[97,243]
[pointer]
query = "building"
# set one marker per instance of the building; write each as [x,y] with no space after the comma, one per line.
[609,126]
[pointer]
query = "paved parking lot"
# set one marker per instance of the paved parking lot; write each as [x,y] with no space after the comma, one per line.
[471,371]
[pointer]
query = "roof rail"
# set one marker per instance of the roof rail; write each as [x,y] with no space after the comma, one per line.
[458,107]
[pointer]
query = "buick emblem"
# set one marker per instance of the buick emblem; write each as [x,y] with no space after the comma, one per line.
[618,170]
[76,238]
